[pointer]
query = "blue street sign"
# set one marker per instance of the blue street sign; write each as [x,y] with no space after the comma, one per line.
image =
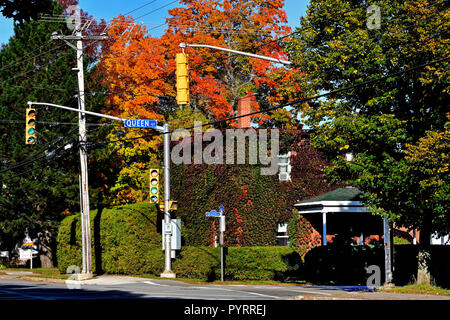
[221,208]
[138,123]
[213,213]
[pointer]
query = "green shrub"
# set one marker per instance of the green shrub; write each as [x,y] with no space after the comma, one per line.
[241,263]
[262,263]
[202,263]
[125,240]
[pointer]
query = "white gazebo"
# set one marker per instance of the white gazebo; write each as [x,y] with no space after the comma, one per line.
[340,211]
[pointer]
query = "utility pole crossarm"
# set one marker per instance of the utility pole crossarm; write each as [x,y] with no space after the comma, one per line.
[77,38]
[184,45]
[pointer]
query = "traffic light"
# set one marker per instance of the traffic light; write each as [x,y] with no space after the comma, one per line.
[154,185]
[30,126]
[173,205]
[182,79]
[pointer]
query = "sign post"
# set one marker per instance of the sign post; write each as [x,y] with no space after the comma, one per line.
[222,228]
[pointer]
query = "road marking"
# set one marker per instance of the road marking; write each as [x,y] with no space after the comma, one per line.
[248,292]
[295,289]
[25,295]
[156,284]
[217,288]
[314,292]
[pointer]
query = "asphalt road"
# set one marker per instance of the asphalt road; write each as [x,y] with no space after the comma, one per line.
[151,289]
[113,288]
[125,297]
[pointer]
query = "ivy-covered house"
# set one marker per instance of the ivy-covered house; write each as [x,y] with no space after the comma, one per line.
[257,207]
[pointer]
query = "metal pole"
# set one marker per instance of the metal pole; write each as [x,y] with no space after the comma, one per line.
[105,116]
[387,251]
[184,45]
[167,231]
[221,256]
[222,230]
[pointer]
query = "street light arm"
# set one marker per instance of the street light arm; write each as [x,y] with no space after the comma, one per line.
[75,110]
[184,45]
[159,128]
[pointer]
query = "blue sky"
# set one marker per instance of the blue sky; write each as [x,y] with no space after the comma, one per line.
[109,9]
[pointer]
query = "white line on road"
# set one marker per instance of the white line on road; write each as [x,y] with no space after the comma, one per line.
[27,296]
[156,284]
[216,288]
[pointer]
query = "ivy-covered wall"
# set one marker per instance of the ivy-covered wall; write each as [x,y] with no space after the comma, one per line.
[254,203]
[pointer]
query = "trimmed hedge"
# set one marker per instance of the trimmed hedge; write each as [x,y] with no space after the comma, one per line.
[125,240]
[241,263]
[347,265]
[342,265]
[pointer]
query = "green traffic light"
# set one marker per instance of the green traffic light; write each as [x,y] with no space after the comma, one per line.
[31,140]
[154,198]
[31,131]
[154,190]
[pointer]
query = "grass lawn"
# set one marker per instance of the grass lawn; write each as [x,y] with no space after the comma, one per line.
[419,289]
[52,273]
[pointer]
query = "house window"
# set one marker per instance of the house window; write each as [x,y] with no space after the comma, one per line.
[282,235]
[284,164]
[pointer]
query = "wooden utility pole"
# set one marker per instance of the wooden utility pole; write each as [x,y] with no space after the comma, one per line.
[84,185]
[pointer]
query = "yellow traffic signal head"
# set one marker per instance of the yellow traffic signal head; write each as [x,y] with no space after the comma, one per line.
[30,126]
[154,185]
[173,205]
[182,78]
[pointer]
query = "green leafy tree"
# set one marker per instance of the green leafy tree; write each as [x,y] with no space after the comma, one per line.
[339,46]
[24,10]
[39,183]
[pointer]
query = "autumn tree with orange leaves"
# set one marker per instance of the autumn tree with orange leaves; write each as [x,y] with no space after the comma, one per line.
[139,72]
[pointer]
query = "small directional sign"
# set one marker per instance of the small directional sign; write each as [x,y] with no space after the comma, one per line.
[221,208]
[139,123]
[213,213]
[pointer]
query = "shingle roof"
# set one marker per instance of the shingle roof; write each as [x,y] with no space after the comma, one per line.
[340,194]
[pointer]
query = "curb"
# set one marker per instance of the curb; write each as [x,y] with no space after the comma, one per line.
[31,278]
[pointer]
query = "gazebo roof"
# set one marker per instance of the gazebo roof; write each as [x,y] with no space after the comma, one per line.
[339,200]
[340,194]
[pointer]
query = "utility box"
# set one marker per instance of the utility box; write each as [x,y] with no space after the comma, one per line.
[175,240]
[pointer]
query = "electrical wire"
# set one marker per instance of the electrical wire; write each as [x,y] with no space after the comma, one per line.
[341,14]
[148,3]
[298,101]
[157,9]
[56,123]
[51,162]
[33,57]
[33,158]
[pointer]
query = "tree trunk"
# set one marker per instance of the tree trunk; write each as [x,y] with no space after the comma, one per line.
[424,256]
[45,249]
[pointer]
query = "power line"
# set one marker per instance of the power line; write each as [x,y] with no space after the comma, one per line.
[166,5]
[300,101]
[148,3]
[33,158]
[345,12]
[48,163]
[55,123]
[33,57]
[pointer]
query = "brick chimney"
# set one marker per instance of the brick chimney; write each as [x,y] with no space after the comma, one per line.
[245,107]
